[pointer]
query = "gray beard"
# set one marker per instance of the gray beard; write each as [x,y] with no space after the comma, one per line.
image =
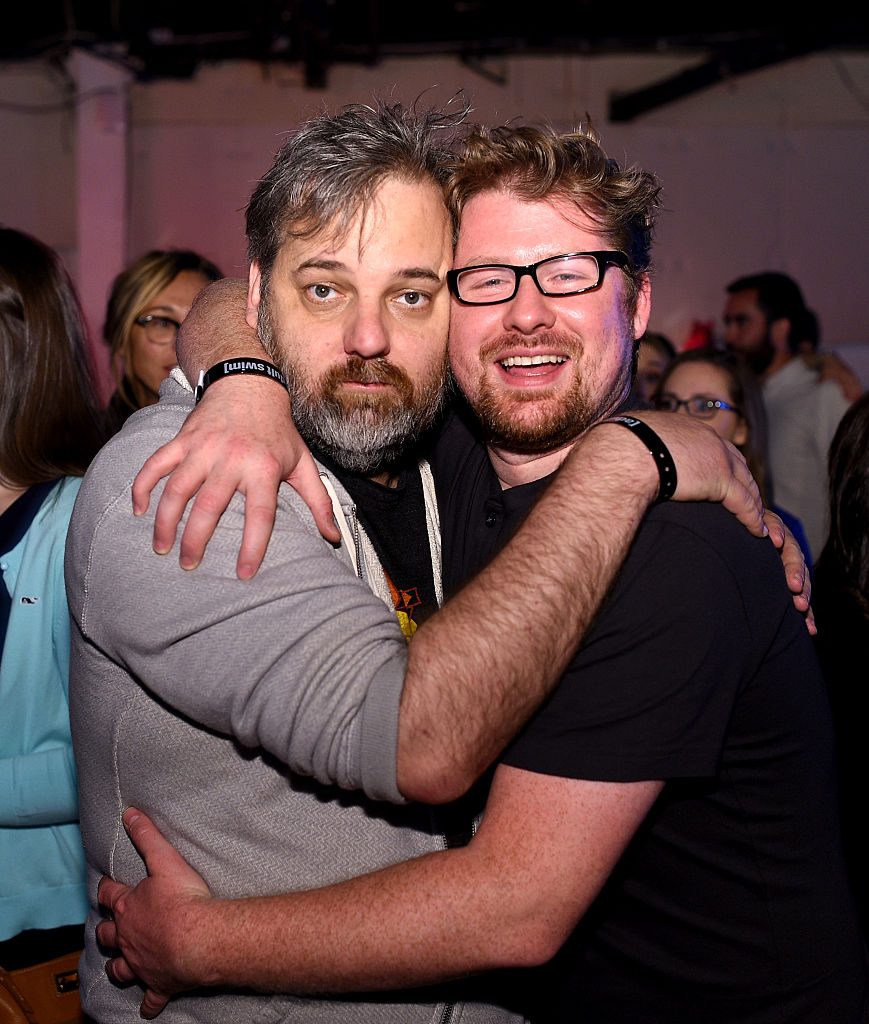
[365,439]
[362,437]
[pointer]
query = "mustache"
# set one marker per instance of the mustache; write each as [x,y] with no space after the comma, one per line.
[367,371]
[551,341]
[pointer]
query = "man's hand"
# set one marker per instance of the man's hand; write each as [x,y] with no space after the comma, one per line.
[797,573]
[247,443]
[830,366]
[147,920]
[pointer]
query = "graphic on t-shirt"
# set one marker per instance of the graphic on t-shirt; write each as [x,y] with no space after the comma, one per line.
[405,600]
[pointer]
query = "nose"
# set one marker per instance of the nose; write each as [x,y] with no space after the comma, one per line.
[366,333]
[529,310]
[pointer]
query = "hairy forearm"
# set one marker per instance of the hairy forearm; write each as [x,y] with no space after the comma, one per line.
[323,941]
[544,850]
[480,667]
[216,328]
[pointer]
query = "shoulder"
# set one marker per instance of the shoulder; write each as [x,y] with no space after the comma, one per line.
[708,521]
[119,460]
[700,549]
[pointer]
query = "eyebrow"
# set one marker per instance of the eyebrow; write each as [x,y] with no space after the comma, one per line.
[162,308]
[418,273]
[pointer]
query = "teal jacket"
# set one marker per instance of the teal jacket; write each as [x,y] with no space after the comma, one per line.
[42,868]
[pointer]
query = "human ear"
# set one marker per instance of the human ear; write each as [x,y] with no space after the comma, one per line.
[644,306]
[254,295]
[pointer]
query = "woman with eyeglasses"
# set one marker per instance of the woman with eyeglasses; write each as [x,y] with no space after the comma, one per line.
[148,302]
[715,385]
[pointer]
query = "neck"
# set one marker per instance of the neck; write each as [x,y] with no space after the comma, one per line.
[515,468]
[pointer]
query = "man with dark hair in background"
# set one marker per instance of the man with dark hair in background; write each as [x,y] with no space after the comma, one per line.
[765,319]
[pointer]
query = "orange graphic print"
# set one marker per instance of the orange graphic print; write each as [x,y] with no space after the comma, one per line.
[404,601]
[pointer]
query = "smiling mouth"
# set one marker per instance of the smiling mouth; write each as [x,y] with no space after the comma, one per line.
[512,361]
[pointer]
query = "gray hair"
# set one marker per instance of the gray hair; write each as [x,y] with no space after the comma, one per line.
[333,164]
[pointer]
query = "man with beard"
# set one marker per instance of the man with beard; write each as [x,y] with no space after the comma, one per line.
[664,829]
[764,316]
[191,692]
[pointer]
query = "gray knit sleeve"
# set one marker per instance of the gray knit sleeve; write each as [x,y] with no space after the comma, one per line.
[302,661]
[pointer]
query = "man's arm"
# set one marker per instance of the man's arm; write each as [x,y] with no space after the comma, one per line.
[471,684]
[509,899]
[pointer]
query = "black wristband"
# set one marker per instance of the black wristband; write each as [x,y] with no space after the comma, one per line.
[657,449]
[229,367]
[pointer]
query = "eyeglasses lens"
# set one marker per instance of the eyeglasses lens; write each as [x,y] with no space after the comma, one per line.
[562,275]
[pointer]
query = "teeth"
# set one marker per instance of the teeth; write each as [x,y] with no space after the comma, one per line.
[531,360]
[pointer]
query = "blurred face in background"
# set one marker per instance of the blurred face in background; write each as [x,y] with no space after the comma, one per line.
[698,380]
[651,363]
[747,330]
[152,345]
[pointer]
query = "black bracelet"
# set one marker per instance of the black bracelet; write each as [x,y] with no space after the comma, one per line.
[229,367]
[657,449]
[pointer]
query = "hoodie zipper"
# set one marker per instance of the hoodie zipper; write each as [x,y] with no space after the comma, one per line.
[357,544]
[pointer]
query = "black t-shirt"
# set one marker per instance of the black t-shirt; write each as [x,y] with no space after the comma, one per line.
[394,519]
[731,903]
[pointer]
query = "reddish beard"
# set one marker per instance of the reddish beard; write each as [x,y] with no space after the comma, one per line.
[540,419]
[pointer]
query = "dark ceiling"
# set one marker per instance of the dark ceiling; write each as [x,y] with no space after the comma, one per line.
[161,39]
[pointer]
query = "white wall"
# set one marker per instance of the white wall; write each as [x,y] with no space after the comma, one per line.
[766,171]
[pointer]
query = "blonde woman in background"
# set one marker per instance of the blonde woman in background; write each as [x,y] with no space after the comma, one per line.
[148,301]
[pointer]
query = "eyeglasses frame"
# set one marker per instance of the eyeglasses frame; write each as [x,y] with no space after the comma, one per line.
[145,321]
[716,404]
[603,258]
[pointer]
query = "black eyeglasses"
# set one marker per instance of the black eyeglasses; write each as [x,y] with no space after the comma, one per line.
[161,330]
[570,274]
[700,406]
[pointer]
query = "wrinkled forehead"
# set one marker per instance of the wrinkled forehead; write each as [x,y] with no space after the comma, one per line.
[401,216]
